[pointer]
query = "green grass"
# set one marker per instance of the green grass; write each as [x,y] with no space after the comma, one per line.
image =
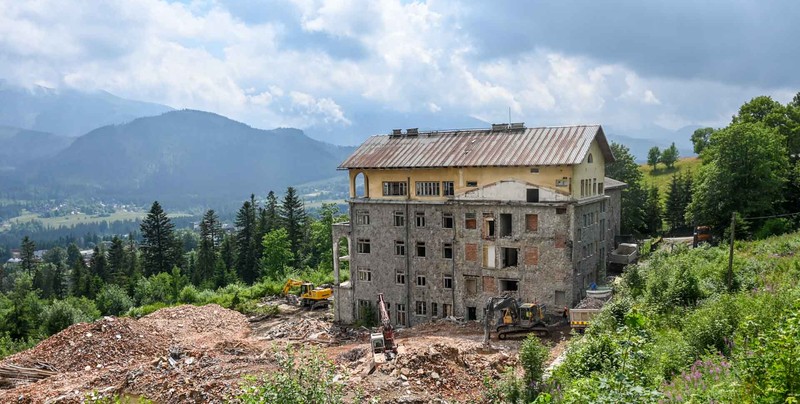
[70,220]
[662,176]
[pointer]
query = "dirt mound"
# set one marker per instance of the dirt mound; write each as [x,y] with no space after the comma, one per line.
[198,325]
[451,367]
[178,354]
[107,342]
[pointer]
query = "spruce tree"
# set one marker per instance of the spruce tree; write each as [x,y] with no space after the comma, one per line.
[116,262]
[227,253]
[160,249]
[27,255]
[98,266]
[246,256]
[73,255]
[271,213]
[210,233]
[293,216]
[79,279]
[653,211]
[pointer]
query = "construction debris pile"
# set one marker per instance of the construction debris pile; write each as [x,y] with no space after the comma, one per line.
[172,355]
[591,303]
[451,368]
[202,354]
[307,329]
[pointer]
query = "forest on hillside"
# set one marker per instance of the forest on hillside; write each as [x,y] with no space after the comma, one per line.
[750,170]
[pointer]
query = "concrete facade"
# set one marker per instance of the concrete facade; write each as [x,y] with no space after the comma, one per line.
[539,233]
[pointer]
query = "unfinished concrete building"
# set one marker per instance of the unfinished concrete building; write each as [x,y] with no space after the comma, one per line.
[442,221]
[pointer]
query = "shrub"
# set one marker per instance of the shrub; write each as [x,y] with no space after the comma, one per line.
[302,377]
[188,295]
[113,301]
[509,389]
[9,346]
[774,227]
[60,315]
[711,326]
[142,311]
[532,356]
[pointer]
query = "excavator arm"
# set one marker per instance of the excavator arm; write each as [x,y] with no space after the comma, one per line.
[492,305]
[289,285]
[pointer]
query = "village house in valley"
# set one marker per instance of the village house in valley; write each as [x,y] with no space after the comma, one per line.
[441,221]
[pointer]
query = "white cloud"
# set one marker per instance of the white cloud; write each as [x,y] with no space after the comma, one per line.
[416,59]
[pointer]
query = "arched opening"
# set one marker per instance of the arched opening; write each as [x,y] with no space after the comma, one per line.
[360,186]
[590,159]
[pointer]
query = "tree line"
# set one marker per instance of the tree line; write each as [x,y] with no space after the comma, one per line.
[44,295]
[750,167]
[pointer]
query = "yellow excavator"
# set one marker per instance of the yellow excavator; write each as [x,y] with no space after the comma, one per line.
[309,295]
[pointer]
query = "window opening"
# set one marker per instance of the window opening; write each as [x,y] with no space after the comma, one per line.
[427,188]
[363,246]
[447,220]
[401,314]
[508,285]
[421,280]
[447,250]
[420,219]
[399,218]
[421,309]
[448,188]
[510,257]
[364,274]
[472,183]
[420,248]
[472,314]
[448,282]
[532,195]
[395,188]
[362,217]
[399,247]
[506,225]
[400,277]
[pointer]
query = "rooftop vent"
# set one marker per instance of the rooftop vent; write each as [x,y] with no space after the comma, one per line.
[499,126]
[397,132]
[518,125]
[412,131]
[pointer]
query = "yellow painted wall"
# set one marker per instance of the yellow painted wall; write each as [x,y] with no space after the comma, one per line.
[545,178]
[589,171]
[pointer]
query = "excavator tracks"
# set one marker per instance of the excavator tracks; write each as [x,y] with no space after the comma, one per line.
[517,332]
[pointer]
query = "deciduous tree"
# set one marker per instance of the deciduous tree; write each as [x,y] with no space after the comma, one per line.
[626,170]
[653,157]
[746,167]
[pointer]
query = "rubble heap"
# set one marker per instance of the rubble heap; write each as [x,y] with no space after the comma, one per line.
[108,342]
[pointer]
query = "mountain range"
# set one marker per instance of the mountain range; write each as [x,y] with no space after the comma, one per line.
[67,112]
[136,150]
[187,154]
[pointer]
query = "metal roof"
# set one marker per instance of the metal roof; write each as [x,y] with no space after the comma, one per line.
[508,147]
[611,183]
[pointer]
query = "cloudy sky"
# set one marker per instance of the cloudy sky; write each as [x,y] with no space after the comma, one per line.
[347,69]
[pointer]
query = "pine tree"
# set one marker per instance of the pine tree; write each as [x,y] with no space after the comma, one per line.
[678,198]
[210,234]
[59,285]
[116,262]
[80,279]
[272,214]
[98,266]
[653,211]
[73,255]
[27,255]
[227,253]
[160,249]
[246,262]
[293,216]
